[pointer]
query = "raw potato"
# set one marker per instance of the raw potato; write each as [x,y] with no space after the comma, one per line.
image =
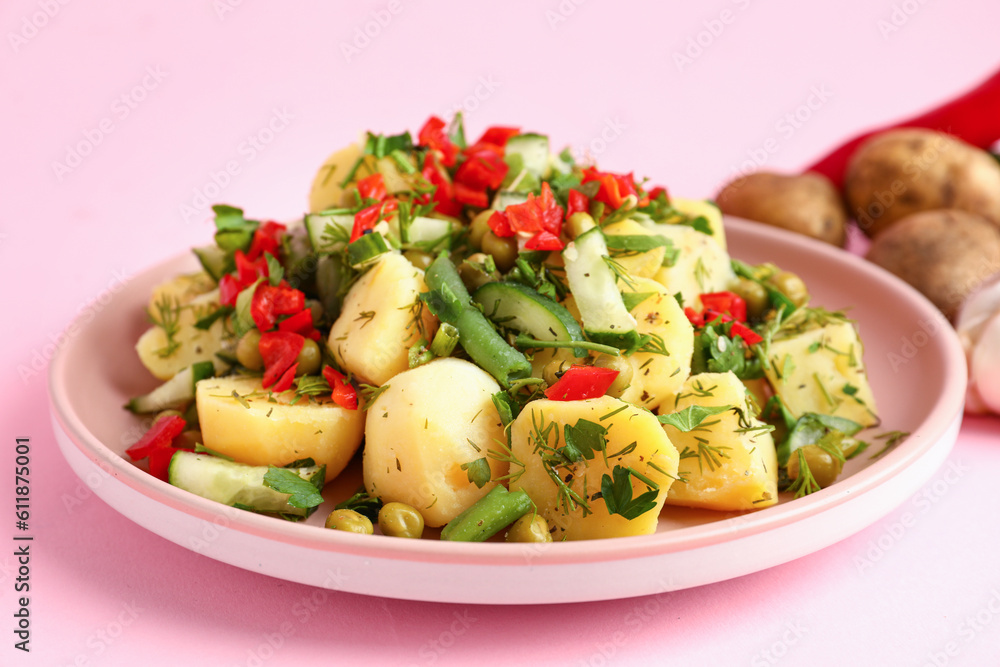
[901,172]
[702,264]
[816,365]
[806,204]
[372,337]
[658,377]
[276,434]
[626,426]
[418,436]
[944,254]
[194,344]
[724,466]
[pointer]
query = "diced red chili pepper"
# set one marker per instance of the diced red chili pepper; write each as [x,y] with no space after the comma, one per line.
[266,238]
[445,202]
[500,224]
[694,317]
[269,301]
[343,392]
[749,336]
[247,271]
[614,187]
[160,434]
[714,317]
[582,382]
[498,135]
[466,195]
[300,323]
[284,383]
[657,191]
[433,135]
[279,350]
[544,241]
[578,203]
[542,213]
[726,302]
[159,461]
[372,187]
[229,289]
[367,218]
[481,170]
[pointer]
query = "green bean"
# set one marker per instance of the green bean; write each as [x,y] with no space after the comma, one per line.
[492,513]
[450,302]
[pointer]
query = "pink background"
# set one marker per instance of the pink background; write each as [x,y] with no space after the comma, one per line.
[162,100]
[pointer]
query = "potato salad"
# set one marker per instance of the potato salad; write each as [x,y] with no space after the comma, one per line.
[515,344]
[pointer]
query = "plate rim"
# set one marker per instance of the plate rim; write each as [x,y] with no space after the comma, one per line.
[947,407]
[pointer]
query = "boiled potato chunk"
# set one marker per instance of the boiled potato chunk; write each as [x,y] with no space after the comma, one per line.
[816,365]
[372,337]
[257,431]
[703,208]
[640,264]
[728,462]
[421,430]
[165,355]
[657,377]
[541,425]
[181,289]
[326,191]
[702,265]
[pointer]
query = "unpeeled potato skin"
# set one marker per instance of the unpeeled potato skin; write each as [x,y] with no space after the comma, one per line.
[807,204]
[900,172]
[944,254]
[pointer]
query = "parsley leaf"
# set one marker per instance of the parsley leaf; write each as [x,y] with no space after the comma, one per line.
[617,494]
[583,439]
[303,493]
[478,471]
[692,416]
[362,503]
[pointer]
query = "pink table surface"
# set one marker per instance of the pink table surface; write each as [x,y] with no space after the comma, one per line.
[119,120]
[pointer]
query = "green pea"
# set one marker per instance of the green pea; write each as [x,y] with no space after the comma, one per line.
[350,521]
[400,520]
[791,286]
[309,359]
[625,372]
[248,351]
[504,250]
[755,296]
[825,467]
[529,528]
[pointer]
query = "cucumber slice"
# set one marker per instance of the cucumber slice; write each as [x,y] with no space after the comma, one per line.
[595,288]
[505,198]
[519,307]
[232,483]
[175,392]
[427,234]
[341,221]
[365,249]
[534,151]
[216,261]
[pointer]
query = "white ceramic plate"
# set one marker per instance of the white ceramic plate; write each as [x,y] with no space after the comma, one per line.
[917,370]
